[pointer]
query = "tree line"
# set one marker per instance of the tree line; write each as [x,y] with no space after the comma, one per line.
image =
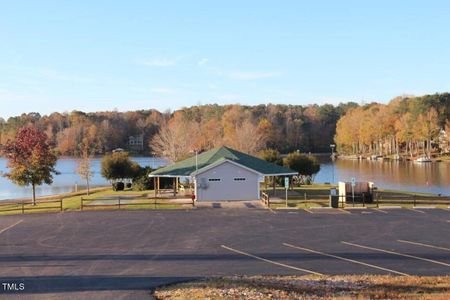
[285,128]
[405,126]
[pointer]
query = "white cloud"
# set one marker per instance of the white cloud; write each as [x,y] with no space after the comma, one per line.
[253,75]
[161,90]
[202,62]
[161,62]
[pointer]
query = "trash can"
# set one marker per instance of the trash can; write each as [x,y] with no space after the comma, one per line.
[334,201]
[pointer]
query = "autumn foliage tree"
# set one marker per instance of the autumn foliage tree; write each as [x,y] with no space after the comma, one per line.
[31,159]
[84,168]
[408,125]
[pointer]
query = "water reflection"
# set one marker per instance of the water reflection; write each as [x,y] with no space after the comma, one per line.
[426,177]
[67,180]
[402,175]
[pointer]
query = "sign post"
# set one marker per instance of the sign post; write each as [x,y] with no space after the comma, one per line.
[286,186]
[353,190]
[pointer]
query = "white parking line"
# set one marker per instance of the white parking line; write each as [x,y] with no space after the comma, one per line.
[270,261]
[10,226]
[416,210]
[382,211]
[346,259]
[397,253]
[423,245]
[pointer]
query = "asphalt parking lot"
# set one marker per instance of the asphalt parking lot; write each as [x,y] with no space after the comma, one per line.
[124,254]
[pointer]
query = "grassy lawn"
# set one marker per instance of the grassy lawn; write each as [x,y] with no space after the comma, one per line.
[310,287]
[72,201]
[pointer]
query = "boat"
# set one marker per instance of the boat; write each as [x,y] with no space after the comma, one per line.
[423,159]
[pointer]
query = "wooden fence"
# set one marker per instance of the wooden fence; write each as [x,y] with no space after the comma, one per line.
[27,206]
[124,202]
[357,201]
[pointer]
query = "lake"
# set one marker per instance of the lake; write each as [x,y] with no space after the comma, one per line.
[425,177]
[67,180]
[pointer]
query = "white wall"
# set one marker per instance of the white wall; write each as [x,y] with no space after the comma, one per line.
[218,183]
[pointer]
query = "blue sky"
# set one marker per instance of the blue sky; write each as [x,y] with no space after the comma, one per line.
[127,55]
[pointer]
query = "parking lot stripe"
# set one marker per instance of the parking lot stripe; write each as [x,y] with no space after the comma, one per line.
[307,210]
[10,226]
[399,254]
[343,210]
[346,259]
[424,245]
[270,261]
[416,210]
[382,211]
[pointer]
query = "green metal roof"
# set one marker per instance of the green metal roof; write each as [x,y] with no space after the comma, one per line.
[187,167]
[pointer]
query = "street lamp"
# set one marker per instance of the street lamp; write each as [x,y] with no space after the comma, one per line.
[332,146]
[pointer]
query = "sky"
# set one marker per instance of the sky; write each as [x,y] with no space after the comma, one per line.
[128,55]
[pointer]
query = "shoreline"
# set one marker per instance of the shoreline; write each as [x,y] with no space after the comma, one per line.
[56,196]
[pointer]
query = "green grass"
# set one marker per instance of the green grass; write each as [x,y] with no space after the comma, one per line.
[72,201]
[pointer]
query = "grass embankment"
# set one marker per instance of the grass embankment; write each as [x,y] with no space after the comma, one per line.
[317,195]
[103,198]
[310,287]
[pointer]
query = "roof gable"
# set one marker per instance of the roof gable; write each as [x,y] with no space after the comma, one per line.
[188,166]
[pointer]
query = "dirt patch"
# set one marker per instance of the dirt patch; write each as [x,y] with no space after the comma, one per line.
[310,287]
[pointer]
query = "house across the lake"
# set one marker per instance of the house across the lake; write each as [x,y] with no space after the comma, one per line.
[224,174]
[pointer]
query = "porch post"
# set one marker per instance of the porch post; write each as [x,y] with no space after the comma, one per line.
[158,186]
[154,185]
[175,181]
[274,186]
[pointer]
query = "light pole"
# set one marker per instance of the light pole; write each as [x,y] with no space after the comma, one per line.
[332,146]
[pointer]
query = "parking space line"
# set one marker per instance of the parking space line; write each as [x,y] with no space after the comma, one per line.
[346,259]
[343,210]
[382,211]
[270,261]
[416,210]
[423,245]
[308,210]
[11,226]
[398,253]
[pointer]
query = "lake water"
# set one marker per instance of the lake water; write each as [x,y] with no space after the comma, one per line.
[67,180]
[399,175]
[425,177]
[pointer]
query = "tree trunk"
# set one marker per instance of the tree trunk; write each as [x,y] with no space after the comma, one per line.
[34,193]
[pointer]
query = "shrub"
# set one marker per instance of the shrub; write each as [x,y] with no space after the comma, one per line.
[118,186]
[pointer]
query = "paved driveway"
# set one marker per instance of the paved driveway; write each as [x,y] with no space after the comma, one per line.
[123,254]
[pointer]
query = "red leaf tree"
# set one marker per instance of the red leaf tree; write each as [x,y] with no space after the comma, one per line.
[31,159]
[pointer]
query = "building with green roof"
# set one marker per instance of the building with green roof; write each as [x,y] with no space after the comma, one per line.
[224,174]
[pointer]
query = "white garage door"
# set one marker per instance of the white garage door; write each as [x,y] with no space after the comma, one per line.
[227,181]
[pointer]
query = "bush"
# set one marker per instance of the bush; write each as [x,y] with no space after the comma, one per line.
[142,182]
[118,186]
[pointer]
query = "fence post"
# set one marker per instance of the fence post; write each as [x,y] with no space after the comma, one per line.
[119,202]
[81,203]
[306,201]
[61,204]
[414,198]
[23,210]
[364,202]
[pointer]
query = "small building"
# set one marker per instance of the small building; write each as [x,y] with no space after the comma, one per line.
[224,174]
[136,143]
